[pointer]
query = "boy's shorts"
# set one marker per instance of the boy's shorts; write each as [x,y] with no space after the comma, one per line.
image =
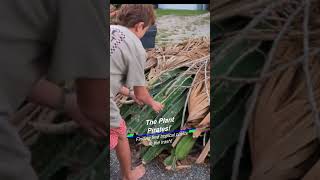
[116,132]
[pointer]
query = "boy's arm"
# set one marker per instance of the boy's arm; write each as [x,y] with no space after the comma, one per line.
[143,95]
[92,96]
[127,92]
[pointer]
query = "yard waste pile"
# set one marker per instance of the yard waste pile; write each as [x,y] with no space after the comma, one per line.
[266,98]
[178,75]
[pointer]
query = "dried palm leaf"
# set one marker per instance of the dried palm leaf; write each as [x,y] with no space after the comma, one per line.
[282,109]
[198,105]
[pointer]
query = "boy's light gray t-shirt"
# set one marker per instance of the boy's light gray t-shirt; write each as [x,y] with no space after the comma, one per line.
[127,63]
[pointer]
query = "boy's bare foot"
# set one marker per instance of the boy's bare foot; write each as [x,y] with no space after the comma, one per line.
[136,173]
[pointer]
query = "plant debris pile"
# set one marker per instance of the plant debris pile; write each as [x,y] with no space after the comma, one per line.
[178,76]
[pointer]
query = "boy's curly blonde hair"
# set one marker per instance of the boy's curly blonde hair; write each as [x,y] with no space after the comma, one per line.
[130,14]
[112,8]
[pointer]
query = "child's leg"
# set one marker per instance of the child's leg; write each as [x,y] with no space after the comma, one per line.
[124,157]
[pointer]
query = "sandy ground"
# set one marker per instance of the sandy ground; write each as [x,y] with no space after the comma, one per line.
[172,29]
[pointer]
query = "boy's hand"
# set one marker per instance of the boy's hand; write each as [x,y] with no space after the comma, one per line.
[157,106]
[143,95]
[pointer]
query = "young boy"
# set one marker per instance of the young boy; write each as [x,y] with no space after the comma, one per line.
[127,64]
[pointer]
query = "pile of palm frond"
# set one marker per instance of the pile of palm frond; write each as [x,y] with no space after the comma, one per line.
[178,75]
[266,98]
